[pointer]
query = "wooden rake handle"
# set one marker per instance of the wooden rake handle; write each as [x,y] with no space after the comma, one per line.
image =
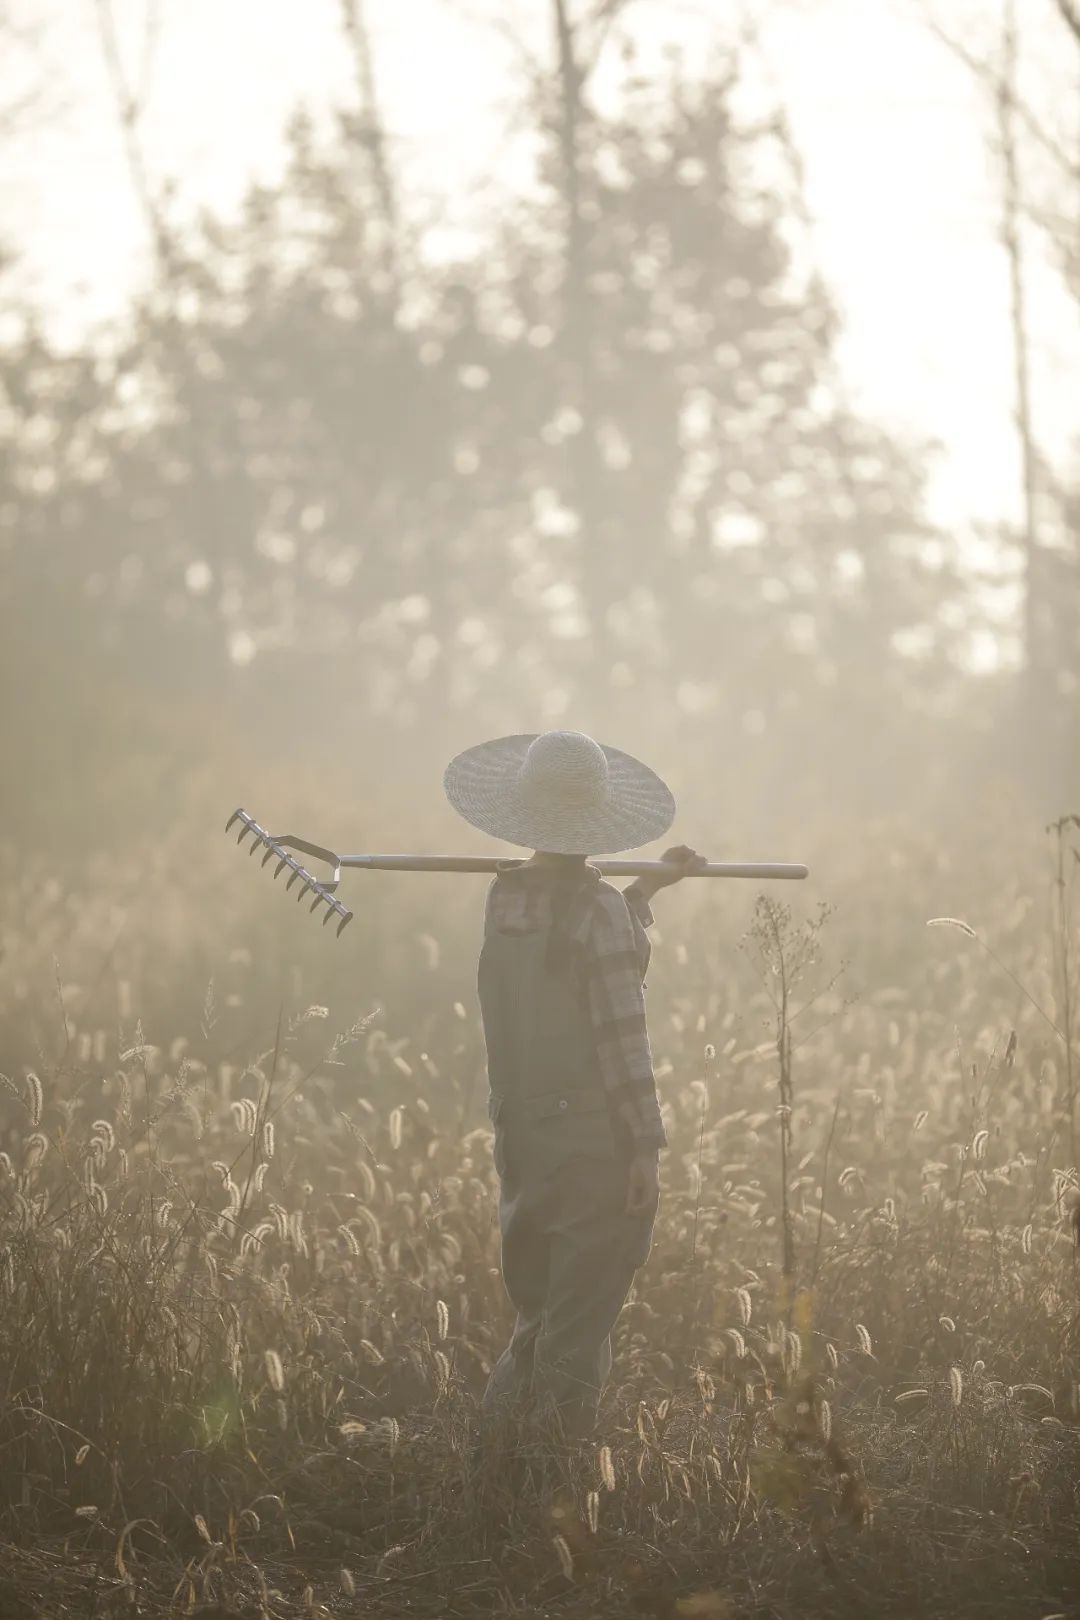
[278,846]
[608,869]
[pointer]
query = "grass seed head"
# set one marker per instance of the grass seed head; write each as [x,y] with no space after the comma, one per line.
[566,1557]
[952,922]
[275,1372]
[35,1097]
[35,1148]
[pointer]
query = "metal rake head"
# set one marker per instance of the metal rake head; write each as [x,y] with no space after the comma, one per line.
[323,889]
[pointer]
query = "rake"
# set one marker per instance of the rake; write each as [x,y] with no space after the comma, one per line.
[323,888]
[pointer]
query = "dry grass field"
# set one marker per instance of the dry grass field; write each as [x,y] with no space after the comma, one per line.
[249,1287]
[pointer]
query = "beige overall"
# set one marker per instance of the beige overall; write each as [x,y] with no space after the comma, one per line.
[569,1252]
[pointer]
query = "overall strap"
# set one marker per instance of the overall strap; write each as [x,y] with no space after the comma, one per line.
[537,1026]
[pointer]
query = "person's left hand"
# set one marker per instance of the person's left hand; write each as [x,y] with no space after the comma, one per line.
[682,859]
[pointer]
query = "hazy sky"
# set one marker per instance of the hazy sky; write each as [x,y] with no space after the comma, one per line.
[901,173]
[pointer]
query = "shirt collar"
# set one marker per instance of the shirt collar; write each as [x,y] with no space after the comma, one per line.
[521,870]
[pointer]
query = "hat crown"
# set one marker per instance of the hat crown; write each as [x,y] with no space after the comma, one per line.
[566,767]
[559,791]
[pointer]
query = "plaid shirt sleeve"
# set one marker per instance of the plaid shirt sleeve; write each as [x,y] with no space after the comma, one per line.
[641,911]
[619,956]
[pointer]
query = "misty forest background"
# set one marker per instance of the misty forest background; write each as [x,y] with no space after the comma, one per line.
[322,510]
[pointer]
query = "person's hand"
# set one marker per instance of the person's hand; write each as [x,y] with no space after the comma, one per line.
[643,1184]
[682,859]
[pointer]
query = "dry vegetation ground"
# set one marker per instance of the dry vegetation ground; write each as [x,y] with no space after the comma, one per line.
[248,1297]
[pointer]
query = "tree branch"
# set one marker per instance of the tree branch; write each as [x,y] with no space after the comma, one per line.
[578,335]
[1070,16]
[989,76]
[606,13]
[130,105]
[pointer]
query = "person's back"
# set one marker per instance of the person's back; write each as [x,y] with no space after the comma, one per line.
[569,1246]
[577,1125]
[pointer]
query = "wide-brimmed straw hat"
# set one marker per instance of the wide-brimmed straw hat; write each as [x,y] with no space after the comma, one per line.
[559,791]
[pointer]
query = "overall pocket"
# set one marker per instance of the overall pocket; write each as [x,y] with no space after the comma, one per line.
[560,1125]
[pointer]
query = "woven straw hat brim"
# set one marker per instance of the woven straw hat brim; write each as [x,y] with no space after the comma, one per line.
[482,786]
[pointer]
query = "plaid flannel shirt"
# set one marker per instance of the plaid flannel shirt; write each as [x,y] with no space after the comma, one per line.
[609,924]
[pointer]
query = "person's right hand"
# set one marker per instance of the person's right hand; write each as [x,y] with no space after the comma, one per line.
[682,859]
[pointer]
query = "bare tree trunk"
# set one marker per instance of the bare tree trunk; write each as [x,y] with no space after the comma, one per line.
[596,565]
[1033,621]
[1048,616]
[130,102]
[130,98]
[371,134]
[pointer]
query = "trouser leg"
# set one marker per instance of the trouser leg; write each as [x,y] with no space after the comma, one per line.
[595,1250]
[525,1261]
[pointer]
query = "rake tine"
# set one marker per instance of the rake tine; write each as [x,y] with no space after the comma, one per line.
[311,888]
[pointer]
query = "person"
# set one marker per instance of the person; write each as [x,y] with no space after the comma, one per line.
[572,1098]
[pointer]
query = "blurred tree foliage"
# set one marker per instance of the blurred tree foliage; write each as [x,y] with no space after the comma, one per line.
[602,469]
